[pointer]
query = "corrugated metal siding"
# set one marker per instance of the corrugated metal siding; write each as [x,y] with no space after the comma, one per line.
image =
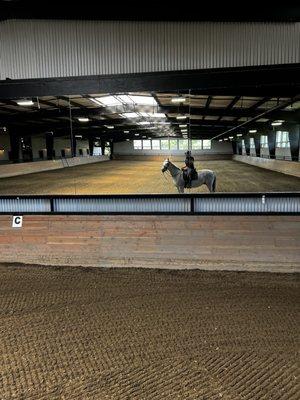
[183,204]
[25,205]
[125,205]
[247,205]
[40,49]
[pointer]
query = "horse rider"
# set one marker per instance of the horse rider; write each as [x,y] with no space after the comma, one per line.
[189,168]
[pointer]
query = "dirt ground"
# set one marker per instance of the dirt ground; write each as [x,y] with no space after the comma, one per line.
[122,177]
[72,333]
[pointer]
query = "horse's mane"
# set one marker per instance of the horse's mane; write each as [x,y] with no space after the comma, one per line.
[174,165]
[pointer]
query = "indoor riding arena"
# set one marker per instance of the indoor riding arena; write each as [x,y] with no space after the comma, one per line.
[149,206]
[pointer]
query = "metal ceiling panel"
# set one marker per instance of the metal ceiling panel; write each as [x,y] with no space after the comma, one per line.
[42,48]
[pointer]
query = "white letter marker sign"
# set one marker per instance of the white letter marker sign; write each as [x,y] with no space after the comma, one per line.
[17,221]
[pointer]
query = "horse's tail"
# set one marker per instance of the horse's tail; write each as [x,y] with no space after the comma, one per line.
[214,183]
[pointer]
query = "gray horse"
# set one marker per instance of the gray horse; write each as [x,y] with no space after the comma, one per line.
[205,177]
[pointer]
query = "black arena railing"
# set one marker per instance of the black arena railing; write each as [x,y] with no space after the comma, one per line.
[155,204]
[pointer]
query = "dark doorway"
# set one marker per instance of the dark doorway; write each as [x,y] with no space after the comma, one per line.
[27,155]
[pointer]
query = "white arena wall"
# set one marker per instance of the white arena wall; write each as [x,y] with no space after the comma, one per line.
[57,48]
[218,150]
[285,167]
[9,170]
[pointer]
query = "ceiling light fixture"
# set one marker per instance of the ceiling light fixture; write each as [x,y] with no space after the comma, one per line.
[239,134]
[83,119]
[181,117]
[277,122]
[178,99]
[25,102]
[252,131]
[109,126]
[144,123]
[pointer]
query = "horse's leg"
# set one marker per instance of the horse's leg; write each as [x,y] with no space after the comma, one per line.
[210,185]
[214,184]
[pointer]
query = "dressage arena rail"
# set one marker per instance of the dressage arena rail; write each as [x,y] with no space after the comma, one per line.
[155,204]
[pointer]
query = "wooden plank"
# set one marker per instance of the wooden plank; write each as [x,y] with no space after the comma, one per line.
[163,240]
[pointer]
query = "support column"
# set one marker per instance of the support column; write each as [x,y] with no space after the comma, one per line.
[272,144]
[111,150]
[247,146]
[234,147]
[239,148]
[49,145]
[294,137]
[91,145]
[14,147]
[73,146]
[102,144]
[257,146]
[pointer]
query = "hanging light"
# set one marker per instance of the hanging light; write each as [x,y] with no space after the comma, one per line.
[178,100]
[144,123]
[278,122]
[25,102]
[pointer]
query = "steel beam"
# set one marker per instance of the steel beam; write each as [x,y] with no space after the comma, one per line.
[247,81]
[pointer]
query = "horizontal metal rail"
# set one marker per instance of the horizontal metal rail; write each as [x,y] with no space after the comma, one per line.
[155,204]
